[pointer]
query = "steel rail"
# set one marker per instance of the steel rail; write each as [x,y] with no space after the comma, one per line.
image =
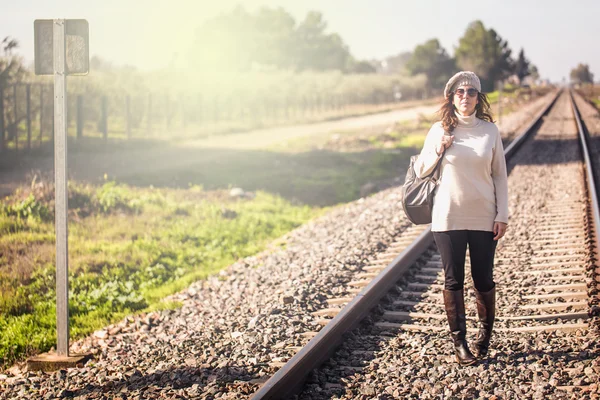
[591,173]
[289,378]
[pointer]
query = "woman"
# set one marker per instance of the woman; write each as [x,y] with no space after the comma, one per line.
[470,204]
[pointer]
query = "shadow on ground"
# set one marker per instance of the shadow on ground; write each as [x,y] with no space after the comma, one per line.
[191,379]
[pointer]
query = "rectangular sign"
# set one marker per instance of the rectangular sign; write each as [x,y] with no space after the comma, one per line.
[77,46]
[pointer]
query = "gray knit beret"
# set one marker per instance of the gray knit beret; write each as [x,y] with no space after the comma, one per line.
[462,78]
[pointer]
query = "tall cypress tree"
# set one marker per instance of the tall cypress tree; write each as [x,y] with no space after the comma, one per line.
[485,53]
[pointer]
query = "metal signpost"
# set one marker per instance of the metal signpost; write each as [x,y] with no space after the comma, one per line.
[61,49]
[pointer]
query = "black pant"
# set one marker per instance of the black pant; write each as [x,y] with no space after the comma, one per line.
[452,246]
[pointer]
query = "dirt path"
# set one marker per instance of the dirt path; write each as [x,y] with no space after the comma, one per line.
[262,138]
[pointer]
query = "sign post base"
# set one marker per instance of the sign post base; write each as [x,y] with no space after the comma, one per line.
[53,362]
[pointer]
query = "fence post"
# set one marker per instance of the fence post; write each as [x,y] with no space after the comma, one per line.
[2,127]
[41,113]
[104,119]
[28,88]
[128,115]
[79,116]
[16,117]
[53,122]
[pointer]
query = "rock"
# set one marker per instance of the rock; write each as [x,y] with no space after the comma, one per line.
[15,370]
[114,330]
[102,334]
[252,322]
[368,391]
[236,192]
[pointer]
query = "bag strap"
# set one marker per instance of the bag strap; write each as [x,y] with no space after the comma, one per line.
[437,165]
[437,168]
[439,162]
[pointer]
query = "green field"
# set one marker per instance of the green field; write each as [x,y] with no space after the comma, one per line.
[128,249]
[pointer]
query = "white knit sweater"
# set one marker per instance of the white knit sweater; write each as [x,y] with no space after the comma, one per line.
[473,190]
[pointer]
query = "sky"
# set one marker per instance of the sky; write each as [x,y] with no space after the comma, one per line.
[555,34]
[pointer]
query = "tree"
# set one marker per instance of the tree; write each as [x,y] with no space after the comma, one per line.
[226,42]
[8,45]
[239,40]
[582,74]
[485,53]
[318,50]
[535,75]
[522,66]
[12,69]
[275,35]
[431,59]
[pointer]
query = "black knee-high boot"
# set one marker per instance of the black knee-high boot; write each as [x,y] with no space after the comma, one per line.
[454,302]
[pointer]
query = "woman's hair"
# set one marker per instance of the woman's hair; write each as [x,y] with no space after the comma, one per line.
[448,116]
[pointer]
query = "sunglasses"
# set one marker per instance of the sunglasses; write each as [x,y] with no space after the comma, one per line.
[470,92]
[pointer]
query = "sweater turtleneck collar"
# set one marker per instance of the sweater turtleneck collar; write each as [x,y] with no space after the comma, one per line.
[468,121]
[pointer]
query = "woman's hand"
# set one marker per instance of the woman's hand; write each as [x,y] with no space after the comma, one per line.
[499,230]
[445,142]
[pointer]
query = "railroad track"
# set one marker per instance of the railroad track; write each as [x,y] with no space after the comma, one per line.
[547,293]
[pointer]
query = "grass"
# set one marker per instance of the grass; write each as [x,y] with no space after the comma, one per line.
[590,92]
[132,248]
[408,135]
[511,97]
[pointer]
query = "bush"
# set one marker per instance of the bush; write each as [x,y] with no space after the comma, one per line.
[112,197]
[29,208]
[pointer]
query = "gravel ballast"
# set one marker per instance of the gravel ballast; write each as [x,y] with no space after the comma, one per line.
[387,363]
[237,328]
